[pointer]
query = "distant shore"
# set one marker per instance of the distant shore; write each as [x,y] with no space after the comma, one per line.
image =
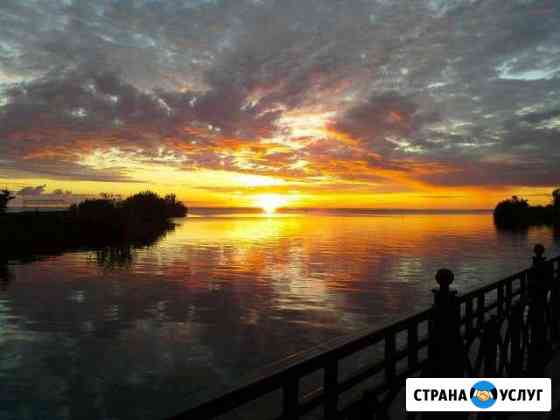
[517,213]
[139,220]
[296,210]
[205,209]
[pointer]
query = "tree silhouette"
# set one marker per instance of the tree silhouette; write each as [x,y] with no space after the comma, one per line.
[138,221]
[173,207]
[511,212]
[516,212]
[556,198]
[5,197]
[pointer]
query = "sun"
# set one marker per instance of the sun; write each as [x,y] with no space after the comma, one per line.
[270,202]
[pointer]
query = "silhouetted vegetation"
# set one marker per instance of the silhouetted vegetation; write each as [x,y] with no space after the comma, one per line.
[556,198]
[5,274]
[516,212]
[5,197]
[92,224]
[176,208]
[145,207]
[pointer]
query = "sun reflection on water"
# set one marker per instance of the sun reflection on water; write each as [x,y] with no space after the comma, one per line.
[181,316]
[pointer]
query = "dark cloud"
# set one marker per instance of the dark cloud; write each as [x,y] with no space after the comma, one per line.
[40,190]
[469,87]
[32,191]
[537,117]
[381,120]
[38,195]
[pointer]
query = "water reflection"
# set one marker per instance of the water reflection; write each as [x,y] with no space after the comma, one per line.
[556,234]
[144,332]
[115,257]
[6,276]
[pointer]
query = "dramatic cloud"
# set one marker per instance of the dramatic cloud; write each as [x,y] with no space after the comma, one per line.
[32,191]
[386,96]
[38,195]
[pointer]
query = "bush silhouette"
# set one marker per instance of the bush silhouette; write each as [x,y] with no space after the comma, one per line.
[516,212]
[5,197]
[556,198]
[174,208]
[145,207]
[139,219]
[95,209]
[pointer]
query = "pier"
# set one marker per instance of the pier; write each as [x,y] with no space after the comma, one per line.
[508,328]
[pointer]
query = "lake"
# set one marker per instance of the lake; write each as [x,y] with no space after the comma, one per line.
[146,333]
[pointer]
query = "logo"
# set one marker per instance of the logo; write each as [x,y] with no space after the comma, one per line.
[478,394]
[484,394]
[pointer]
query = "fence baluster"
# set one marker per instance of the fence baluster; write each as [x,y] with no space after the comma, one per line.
[490,347]
[390,350]
[500,301]
[412,345]
[291,399]
[331,384]
[516,355]
[480,310]
[523,285]
[509,294]
[469,317]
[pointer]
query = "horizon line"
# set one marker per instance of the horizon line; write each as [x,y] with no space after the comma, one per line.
[280,209]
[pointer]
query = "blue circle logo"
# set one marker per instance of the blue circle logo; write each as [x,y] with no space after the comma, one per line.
[484,394]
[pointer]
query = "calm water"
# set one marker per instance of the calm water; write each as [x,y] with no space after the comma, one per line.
[144,335]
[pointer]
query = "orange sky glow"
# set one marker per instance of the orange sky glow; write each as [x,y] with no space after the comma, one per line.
[271,104]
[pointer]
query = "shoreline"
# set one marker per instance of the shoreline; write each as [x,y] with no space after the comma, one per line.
[29,234]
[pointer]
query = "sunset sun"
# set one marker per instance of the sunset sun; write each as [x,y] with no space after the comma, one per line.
[270,202]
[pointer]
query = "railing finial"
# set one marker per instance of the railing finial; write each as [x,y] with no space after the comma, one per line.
[539,254]
[444,277]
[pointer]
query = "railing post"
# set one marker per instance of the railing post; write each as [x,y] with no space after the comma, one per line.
[369,404]
[516,354]
[390,350]
[412,338]
[480,303]
[331,384]
[554,300]
[446,356]
[538,290]
[500,301]
[469,317]
[490,347]
[509,294]
[291,399]
[523,286]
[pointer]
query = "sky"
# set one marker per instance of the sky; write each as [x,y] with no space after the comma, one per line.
[302,103]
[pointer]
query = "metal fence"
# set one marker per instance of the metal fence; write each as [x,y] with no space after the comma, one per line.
[503,329]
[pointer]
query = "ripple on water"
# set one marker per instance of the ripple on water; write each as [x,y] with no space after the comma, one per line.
[221,297]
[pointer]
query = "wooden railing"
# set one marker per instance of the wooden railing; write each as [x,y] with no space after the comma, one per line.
[491,331]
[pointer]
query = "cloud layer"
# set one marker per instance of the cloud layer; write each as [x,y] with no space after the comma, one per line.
[392,96]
